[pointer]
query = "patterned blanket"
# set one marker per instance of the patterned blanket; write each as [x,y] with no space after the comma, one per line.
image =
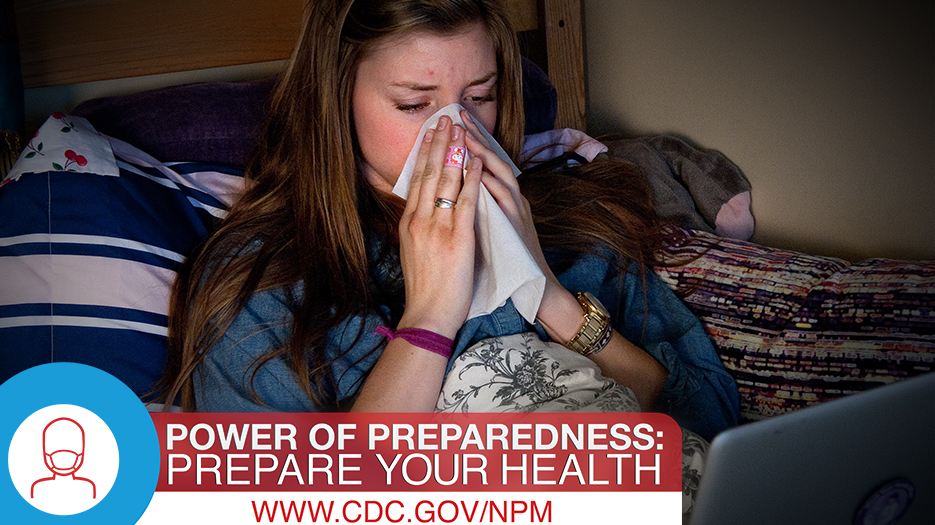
[521,373]
[795,330]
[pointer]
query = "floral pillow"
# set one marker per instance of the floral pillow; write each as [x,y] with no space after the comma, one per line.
[522,373]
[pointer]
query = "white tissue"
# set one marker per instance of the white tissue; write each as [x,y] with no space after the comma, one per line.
[503,267]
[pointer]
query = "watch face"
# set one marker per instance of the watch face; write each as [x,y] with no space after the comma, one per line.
[597,304]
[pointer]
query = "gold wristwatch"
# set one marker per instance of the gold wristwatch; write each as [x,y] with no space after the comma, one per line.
[595,333]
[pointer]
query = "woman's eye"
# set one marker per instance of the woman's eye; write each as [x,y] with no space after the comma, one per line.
[481,99]
[412,108]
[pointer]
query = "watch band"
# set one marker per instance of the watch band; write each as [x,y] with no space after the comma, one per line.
[595,331]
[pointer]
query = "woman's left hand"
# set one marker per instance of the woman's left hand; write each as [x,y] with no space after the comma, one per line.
[498,178]
[559,312]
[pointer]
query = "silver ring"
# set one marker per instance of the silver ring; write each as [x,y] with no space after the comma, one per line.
[444,203]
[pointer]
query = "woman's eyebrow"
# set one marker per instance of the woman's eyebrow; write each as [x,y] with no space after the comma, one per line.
[429,87]
[483,80]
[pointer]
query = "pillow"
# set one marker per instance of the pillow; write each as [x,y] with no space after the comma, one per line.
[92,231]
[214,122]
[540,100]
[795,330]
[522,373]
[219,122]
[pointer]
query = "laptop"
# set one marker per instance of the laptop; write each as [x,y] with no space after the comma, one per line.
[865,459]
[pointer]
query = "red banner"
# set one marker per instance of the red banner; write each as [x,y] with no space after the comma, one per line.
[419,452]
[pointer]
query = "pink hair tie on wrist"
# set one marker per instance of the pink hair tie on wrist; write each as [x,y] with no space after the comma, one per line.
[426,339]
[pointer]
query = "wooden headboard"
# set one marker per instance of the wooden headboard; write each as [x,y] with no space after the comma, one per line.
[76,41]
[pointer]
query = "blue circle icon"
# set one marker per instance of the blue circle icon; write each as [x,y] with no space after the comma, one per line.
[80,438]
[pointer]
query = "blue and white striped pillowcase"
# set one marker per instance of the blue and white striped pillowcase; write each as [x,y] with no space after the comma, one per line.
[86,262]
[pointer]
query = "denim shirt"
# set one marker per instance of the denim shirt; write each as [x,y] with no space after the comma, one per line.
[698,392]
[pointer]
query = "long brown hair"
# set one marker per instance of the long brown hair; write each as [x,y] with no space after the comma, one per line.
[307,217]
[307,213]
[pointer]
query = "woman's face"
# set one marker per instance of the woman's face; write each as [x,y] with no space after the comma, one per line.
[405,80]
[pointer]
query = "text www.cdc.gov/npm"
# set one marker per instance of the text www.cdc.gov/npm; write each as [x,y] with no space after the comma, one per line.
[394,511]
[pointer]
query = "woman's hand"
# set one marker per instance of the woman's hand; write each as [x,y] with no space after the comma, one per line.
[498,178]
[437,243]
[559,311]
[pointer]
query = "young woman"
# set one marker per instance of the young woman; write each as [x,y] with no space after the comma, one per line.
[279,309]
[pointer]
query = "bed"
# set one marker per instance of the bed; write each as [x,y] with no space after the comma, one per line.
[86,261]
